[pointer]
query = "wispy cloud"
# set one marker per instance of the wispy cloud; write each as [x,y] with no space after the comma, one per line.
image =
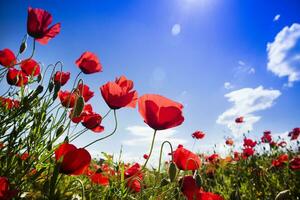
[246,102]
[276,18]
[284,54]
[176,29]
[141,137]
[228,86]
[243,68]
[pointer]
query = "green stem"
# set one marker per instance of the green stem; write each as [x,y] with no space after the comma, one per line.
[82,188]
[115,129]
[106,114]
[151,149]
[161,150]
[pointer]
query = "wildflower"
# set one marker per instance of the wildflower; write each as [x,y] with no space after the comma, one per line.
[198,135]
[89,63]
[249,143]
[248,151]
[99,179]
[61,77]
[5,192]
[38,21]
[160,112]
[119,93]
[229,141]
[266,138]
[30,67]
[16,77]
[295,164]
[239,120]
[134,177]
[74,161]
[67,98]
[7,58]
[92,121]
[185,159]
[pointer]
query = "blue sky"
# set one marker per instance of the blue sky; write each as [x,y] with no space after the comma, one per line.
[199,52]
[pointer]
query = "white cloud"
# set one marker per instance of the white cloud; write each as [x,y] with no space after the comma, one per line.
[243,68]
[228,86]
[246,102]
[242,63]
[176,29]
[276,18]
[141,137]
[283,54]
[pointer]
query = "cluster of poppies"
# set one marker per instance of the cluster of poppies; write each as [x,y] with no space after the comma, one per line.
[18,77]
[157,111]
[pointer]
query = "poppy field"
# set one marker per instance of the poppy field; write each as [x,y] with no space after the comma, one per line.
[38,158]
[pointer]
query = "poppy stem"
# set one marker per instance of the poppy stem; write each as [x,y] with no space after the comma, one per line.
[106,114]
[151,148]
[161,150]
[113,132]
[82,188]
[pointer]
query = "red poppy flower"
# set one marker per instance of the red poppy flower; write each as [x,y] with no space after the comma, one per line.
[160,112]
[239,120]
[248,151]
[5,192]
[99,179]
[38,21]
[84,91]
[236,156]
[213,158]
[24,156]
[198,135]
[295,164]
[282,144]
[119,94]
[61,77]
[249,143]
[74,161]
[201,195]
[30,67]
[87,109]
[89,63]
[294,134]
[16,77]
[280,161]
[229,141]
[67,98]
[266,138]
[7,58]
[185,159]
[189,187]
[145,156]
[134,177]
[92,121]
[9,103]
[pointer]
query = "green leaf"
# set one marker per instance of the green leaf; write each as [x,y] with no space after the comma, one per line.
[78,107]
[172,171]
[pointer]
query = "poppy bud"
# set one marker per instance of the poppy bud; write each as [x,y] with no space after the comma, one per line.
[172,171]
[23,47]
